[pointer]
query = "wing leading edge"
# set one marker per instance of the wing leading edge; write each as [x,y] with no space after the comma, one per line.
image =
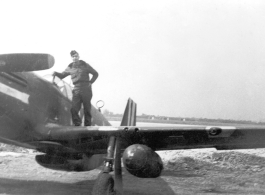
[158,138]
[166,138]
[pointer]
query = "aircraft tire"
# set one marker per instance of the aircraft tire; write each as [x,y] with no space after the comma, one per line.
[104,185]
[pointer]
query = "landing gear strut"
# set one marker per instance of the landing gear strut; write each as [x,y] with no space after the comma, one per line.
[105,184]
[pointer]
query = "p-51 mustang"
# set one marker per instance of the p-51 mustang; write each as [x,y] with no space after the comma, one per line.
[35,113]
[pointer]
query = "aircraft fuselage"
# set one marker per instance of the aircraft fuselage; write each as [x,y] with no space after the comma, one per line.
[30,103]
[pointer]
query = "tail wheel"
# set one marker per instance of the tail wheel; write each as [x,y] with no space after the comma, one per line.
[104,185]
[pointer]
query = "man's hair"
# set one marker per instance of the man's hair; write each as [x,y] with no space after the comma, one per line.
[73,52]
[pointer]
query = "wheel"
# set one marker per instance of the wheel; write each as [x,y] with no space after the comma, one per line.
[104,185]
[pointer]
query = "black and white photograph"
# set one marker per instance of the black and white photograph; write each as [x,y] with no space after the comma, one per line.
[142,97]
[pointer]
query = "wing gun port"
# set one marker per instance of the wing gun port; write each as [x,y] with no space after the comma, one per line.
[132,129]
[214,131]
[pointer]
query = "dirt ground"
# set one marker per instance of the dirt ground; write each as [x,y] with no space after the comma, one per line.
[204,171]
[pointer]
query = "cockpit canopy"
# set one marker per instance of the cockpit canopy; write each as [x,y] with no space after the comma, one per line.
[63,86]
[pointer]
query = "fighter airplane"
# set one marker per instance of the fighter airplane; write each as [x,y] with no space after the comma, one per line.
[35,113]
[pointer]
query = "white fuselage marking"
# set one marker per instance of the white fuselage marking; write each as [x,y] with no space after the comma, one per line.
[14,93]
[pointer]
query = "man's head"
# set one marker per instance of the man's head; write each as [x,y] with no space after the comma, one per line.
[74,55]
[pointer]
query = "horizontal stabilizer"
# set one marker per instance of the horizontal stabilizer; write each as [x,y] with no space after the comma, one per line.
[24,62]
[129,116]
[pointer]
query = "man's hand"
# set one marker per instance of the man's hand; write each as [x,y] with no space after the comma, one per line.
[54,74]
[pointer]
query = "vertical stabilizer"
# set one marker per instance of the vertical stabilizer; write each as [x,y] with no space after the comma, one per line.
[129,116]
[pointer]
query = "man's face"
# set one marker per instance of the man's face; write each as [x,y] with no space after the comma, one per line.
[75,57]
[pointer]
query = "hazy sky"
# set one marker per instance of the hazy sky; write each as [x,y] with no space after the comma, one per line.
[186,58]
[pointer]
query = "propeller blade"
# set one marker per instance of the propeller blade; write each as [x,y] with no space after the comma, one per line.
[24,62]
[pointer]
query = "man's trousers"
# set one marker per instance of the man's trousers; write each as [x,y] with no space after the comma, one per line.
[81,95]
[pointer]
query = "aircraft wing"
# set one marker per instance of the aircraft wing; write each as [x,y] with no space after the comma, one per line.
[169,137]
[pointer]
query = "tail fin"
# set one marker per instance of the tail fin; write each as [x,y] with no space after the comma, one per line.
[129,116]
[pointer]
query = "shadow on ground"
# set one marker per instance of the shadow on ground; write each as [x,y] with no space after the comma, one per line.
[145,186]
[22,187]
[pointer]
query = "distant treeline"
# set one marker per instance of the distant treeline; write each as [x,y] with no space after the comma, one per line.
[180,120]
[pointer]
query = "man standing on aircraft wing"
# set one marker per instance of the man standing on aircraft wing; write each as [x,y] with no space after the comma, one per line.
[82,92]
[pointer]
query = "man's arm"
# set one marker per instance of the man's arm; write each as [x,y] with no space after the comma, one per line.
[62,75]
[93,72]
[95,76]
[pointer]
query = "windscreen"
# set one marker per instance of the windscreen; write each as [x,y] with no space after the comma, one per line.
[63,86]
